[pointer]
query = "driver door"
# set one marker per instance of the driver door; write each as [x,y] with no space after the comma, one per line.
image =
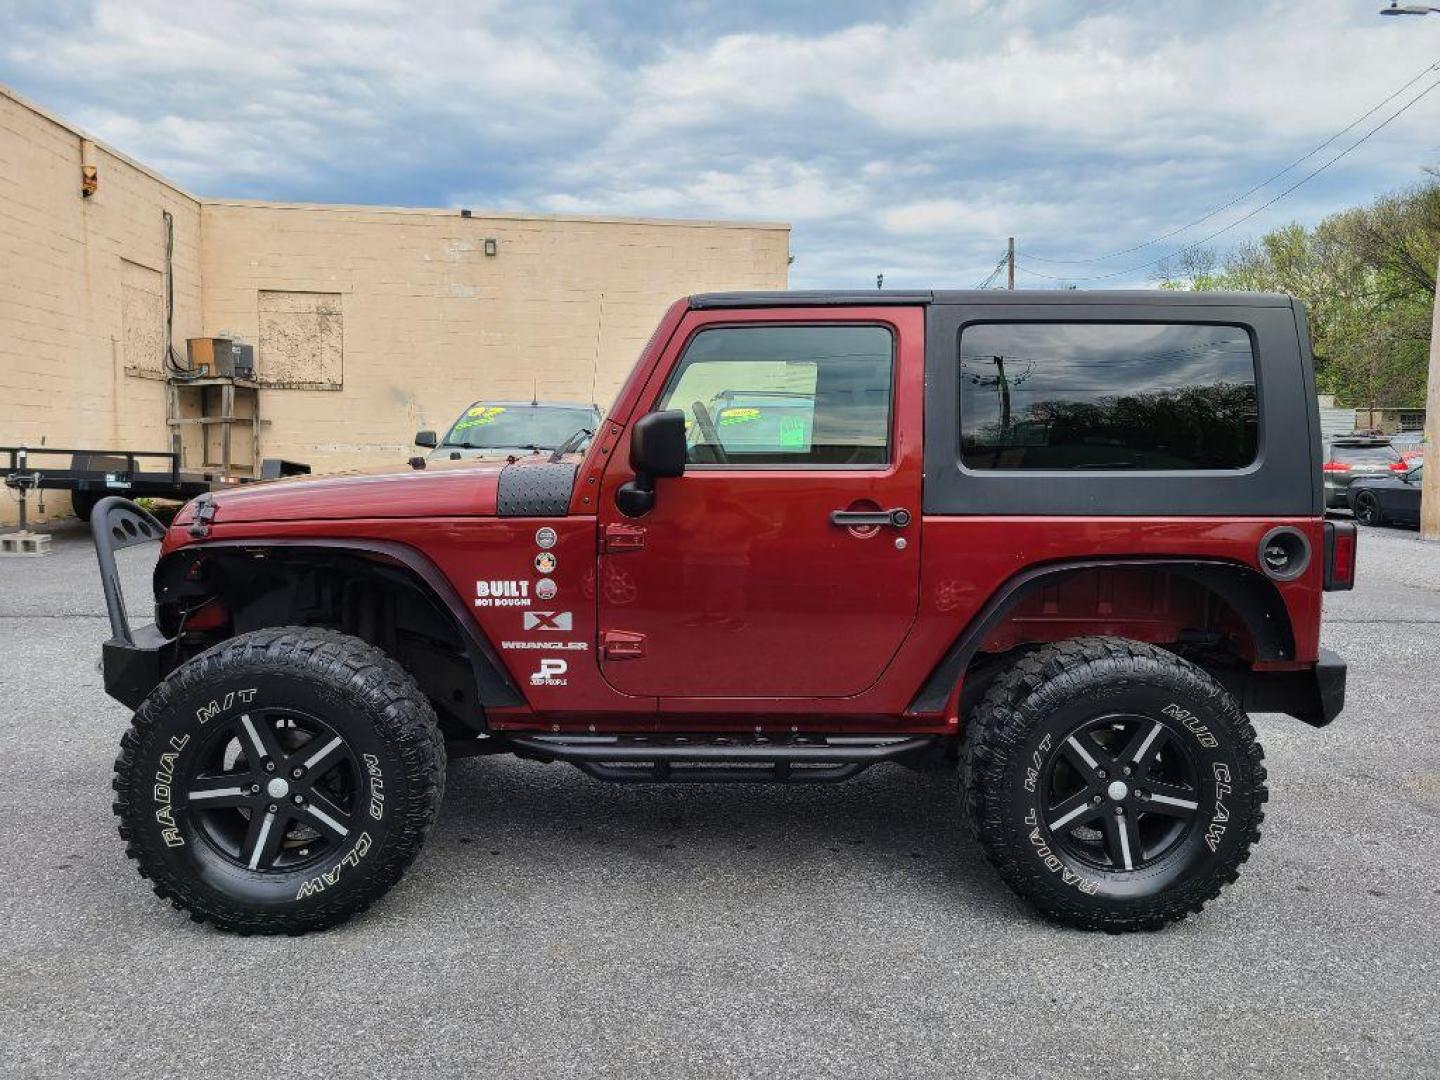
[738,583]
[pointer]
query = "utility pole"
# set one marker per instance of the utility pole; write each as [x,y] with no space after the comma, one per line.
[1010,264]
[1004,384]
[1430,481]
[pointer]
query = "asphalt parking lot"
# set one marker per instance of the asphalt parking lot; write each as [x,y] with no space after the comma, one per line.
[557,926]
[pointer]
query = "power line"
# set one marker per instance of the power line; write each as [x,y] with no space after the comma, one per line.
[1428,69]
[1262,207]
[994,273]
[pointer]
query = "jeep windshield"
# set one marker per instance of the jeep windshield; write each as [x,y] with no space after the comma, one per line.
[508,426]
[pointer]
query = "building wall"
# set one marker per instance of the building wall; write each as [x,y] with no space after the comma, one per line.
[369,323]
[372,323]
[1389,420]
[81,291]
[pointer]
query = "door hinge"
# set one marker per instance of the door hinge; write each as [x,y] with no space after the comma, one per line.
[622,644]
[621,537]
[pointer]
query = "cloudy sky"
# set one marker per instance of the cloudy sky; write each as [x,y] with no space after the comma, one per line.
[907,139]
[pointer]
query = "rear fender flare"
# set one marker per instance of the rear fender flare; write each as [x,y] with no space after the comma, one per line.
[1252,596]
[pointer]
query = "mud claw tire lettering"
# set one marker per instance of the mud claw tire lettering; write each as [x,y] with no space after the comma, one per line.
[383,722]
[1024,720]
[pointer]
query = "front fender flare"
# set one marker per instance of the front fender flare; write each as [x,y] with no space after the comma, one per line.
[493,684]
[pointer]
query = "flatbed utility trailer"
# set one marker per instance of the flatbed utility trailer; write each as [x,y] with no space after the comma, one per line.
[90,475]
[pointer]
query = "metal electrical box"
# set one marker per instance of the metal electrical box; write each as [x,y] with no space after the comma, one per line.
[221,358]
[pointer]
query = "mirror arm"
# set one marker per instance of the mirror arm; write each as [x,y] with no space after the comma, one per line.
[636,498]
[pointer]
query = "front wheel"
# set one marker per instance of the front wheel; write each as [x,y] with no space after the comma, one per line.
[1114,785]
[280,782]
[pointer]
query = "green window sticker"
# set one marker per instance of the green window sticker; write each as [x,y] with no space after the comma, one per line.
[792,434]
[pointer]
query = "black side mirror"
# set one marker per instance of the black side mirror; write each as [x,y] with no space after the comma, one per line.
[426,439]
[657,448]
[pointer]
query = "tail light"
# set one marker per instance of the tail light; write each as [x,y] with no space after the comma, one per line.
[1340,545]
[208,616]
[1400,466]
[1334,466]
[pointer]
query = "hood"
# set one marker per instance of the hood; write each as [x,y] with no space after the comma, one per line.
[441,489]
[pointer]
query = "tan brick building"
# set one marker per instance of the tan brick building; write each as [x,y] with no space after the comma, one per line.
[368,322]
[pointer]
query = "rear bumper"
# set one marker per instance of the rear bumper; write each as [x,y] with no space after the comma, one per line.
[1315,695]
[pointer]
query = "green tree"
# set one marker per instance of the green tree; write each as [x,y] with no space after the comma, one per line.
[1367,278]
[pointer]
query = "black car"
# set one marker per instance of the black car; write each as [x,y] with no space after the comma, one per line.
[1378,499]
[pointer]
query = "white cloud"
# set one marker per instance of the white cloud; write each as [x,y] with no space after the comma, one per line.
[904,140]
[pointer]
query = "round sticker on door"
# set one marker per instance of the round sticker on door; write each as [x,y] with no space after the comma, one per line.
[545,538]
[545,562]
[545,589]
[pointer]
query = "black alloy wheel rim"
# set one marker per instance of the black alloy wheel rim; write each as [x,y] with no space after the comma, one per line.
[1365,508]
[1120,792]
[274,790]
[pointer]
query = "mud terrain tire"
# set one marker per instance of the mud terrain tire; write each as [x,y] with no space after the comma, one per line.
[280,782]
[1114,785]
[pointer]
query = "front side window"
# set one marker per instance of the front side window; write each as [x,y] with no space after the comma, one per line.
[785,395]
[1107,396]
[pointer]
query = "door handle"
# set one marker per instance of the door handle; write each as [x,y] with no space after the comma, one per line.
[895,519]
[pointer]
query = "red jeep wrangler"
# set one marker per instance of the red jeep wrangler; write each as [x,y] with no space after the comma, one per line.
[1062,541]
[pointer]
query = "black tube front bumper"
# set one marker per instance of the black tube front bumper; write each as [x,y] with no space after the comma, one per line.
[133,661]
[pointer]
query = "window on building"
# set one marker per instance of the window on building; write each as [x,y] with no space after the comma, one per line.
[1103,396]
[785,395]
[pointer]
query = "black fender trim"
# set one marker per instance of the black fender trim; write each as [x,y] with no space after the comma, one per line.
[1252,595]
[493,685]
[1315,695]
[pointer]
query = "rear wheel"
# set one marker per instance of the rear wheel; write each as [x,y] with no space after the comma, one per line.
[1113,785]
[280,782]
[1367,509]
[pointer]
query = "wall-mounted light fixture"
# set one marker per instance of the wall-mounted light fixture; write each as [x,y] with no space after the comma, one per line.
[492,246]
[89,173]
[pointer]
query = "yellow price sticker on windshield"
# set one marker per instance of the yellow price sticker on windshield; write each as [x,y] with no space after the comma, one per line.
[738,415]
[479,416]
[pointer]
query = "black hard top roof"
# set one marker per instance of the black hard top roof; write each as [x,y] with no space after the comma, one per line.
[873,297]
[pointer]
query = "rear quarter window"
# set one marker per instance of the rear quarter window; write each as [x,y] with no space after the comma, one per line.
[1096,396]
